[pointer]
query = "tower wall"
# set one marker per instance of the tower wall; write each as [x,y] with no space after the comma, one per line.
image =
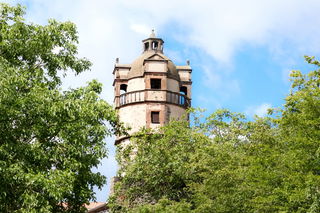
[152,90]
[173,85]
[136,84]
[134,116]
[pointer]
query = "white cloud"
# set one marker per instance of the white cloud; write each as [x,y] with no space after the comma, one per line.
[260,110]
[218,27]
[110,29]
[223,85]
[141,28]
[221,27]
[211,78]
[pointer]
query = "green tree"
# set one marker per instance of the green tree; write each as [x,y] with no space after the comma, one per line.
[49,139]
[226,163]
[300,136]
[174,162]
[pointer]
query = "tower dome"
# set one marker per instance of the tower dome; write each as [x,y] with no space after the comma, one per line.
[138,65]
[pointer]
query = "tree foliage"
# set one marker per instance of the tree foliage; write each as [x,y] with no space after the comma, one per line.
[227,163]
[49,139]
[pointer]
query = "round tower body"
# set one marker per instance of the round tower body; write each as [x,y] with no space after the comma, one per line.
[152,90]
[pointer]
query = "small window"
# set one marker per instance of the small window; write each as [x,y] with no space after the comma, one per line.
[155,83]
[146,46]
[154,45]
[155,117]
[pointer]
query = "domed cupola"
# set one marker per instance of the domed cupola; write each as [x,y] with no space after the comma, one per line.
[153,44]
[152,52]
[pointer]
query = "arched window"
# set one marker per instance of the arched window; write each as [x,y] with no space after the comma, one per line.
[155,45]
[123,89]
[146,46]
[183,91]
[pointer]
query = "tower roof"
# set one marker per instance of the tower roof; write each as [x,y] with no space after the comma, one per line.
[138,69]
[152,51]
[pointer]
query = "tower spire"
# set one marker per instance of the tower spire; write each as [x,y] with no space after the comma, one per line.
[152,35]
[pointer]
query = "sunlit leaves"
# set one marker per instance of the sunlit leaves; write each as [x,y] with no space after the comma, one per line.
[225,163]
[49,139]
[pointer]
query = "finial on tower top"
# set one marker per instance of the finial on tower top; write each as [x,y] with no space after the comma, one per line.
[152,35]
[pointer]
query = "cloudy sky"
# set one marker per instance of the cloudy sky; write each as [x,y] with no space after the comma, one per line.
[241,52]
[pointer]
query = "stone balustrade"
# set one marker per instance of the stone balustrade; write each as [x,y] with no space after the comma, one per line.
[152,95]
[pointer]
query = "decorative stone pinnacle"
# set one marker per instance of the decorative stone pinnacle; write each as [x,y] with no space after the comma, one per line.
[153,35]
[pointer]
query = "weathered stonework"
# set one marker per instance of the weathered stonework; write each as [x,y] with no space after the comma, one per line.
[152,90]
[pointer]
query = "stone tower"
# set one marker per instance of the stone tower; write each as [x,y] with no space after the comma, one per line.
[151,90]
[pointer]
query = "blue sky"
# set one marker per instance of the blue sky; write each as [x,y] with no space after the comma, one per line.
[241,52]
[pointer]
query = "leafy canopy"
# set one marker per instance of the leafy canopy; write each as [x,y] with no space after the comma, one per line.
[49,139]
[226,163]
